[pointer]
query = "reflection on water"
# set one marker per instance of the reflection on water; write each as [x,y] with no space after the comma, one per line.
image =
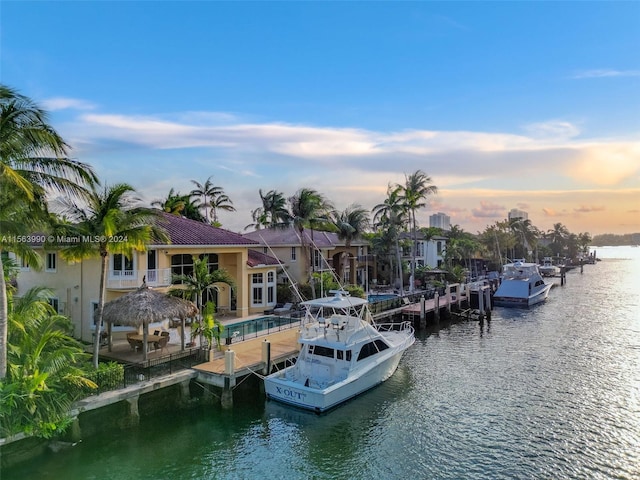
[550,392]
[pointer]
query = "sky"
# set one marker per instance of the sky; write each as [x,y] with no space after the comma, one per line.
[528,105]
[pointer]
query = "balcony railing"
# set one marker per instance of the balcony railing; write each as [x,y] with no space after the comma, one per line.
[126,279]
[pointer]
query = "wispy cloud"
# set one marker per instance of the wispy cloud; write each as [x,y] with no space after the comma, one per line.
[604,73]
[62,103]
[589,209]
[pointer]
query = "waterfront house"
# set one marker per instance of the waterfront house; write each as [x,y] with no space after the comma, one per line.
[76,285]
[328,253]
[429,252]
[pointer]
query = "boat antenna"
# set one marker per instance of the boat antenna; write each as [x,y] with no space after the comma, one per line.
[292,284]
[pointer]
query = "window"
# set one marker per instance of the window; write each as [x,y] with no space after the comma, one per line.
[341,355]
[271,276]
[211,259]
[24,264]
[371,348]
[271,295]
[265,250]
[317,258]
[258,289]
[321,351]
[53,301]
[439,247]
[51,262]
[293,254]
[181,264]
[122,266]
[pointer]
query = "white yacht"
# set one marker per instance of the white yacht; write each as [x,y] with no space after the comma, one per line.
[521,285]
[343,353]
[548,269]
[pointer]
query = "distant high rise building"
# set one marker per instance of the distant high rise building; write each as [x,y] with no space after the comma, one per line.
[515,214]
[440,220]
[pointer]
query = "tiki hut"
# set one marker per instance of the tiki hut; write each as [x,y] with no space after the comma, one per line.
[145,306]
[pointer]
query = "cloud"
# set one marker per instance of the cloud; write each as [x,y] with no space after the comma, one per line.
[62,103]
[553,129]
[604,73]
[586,209]
[489,210]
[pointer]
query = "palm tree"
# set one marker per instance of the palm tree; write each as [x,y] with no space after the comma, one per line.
[350,224]
[220,202]
[392,217]
[118,226]
[207,191]
[180,205]
[43,379]
[308,210]
[558,235]
[417,187]
[198,286]
[33,160]
[272,213]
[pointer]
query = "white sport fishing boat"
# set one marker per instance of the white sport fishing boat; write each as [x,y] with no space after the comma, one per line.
[343,353]
[521,285]
[548,269]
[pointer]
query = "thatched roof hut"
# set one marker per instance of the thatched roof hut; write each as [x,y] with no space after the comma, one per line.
[144,306]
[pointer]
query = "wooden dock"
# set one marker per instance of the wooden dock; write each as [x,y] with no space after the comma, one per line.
[248,357]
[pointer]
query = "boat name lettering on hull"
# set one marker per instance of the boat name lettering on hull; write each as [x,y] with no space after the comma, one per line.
[291,393]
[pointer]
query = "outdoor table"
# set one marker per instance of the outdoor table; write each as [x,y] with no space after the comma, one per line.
[151,339]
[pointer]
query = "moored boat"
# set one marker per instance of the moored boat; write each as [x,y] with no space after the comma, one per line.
[521,285]
[343,353]
[548,269]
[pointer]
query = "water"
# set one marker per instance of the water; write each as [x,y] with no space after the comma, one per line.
[546,393]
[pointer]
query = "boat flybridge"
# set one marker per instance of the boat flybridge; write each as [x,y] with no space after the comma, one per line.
[521,285]
[343,353]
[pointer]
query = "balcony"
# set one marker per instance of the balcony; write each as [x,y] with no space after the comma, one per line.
[130,279]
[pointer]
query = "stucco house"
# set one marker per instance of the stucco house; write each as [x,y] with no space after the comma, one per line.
[76,285]
[328,253]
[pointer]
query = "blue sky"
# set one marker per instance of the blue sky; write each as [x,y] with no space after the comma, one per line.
[530,105]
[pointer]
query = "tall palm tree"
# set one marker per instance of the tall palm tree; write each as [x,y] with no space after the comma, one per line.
[392,216]
[118,226]
[309,209]
[272,213]
[417,187]
[558,235]
[33,161]
[350,224]
[220,202]
[207,191]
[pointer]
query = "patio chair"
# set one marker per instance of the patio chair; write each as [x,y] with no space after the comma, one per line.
[286,308]
[162,343]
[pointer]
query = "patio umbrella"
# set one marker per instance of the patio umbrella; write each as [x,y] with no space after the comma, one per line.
[144,306]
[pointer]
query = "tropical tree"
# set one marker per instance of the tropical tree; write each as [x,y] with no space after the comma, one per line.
[116,225]
[392,217]
[558,236]
[309,209]
[33,162]
[180,205]
[220,202]
[198,286]
[206,191]
[350,224]
[272,214]
[212,197]
[43,377]
[417,187]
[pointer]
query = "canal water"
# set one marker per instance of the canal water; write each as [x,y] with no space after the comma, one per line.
[547,393]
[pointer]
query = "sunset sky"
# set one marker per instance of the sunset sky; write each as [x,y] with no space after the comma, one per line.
[529,105]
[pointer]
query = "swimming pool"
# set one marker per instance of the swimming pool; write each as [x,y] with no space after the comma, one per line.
[381,297]
[257,327]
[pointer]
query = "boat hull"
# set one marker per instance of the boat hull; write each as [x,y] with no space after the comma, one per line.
[536,297]
[281,389]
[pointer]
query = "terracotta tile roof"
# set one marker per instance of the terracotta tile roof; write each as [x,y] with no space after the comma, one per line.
[278,237]
[258,258]
[183,231]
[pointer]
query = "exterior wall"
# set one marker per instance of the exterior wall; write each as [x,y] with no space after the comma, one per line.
[76,285]
[265,281]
